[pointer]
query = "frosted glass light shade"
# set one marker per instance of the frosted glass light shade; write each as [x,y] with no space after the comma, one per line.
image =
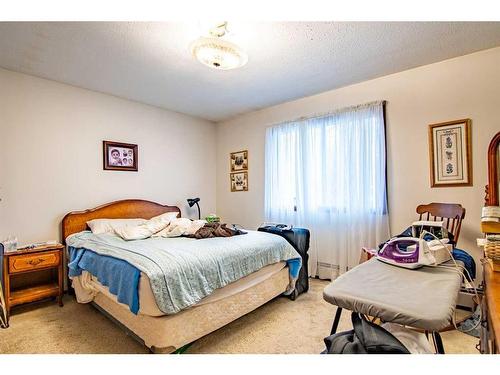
[218,53]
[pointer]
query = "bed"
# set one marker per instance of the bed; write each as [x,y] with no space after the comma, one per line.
[161,332]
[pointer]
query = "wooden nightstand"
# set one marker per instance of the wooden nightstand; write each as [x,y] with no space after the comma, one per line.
[33,274]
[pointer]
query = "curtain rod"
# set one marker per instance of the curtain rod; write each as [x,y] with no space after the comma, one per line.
[331,113]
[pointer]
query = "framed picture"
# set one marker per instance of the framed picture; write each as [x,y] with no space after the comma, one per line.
[239,181]
[450,152]
[119,156]
[239,161]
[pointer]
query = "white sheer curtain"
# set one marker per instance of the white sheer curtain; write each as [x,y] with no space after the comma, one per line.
[328,174]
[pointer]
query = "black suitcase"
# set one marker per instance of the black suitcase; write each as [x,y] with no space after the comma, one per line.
[299,239]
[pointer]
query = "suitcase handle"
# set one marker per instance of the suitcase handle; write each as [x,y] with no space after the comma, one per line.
[284,226]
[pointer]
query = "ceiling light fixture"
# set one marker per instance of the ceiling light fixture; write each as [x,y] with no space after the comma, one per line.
[218,53]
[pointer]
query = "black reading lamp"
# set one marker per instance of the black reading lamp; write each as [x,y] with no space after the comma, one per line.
[192,202]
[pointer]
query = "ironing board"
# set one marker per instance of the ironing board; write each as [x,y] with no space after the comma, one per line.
[424,298]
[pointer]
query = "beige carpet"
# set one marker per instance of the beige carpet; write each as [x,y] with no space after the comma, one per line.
[280,326]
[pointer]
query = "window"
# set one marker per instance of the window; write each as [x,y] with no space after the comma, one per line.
[330,170]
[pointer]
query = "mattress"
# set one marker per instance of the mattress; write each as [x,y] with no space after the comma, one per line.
[87,288]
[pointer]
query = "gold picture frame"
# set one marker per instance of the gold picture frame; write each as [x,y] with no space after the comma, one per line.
[239,181]
[450,153]
[238,161]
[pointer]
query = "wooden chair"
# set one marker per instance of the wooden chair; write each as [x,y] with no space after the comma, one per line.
[451,214]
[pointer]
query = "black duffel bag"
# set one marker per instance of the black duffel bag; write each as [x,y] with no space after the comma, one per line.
[365,338]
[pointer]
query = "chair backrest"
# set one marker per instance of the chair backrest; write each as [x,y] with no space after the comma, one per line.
[451,214]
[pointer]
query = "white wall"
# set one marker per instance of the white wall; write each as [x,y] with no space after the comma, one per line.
[464,87]
[51,155]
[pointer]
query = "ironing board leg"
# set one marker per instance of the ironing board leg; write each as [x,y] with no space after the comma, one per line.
[336,321]
[438,342]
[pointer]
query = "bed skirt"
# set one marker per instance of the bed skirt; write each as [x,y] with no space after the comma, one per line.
[165,334]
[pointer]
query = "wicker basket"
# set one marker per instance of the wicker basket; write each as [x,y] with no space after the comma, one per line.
[492,252]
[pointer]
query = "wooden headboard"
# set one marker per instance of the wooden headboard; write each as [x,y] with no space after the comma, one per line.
[76,221]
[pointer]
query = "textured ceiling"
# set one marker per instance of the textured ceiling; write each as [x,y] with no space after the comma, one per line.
[151,63]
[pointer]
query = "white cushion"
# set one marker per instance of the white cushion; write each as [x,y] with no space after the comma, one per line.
[99,226]
[145,230]
[195,225]
[179,227]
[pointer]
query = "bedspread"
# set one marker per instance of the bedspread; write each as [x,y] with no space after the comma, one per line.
[182,271]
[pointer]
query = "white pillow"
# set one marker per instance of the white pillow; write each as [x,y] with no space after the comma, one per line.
[179,227]
[195,225]
[145,230]
[138,232]
[99,226]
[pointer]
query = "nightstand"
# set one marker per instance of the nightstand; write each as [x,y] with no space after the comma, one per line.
[33,274]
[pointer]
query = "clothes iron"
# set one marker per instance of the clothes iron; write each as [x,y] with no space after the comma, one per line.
[407,252]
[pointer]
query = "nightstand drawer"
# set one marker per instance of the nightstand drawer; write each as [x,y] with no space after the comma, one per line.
[29,262]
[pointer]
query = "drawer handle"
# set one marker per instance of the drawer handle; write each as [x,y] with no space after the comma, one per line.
[36,262]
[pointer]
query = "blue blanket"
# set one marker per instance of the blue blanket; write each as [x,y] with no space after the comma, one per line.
[119,276]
